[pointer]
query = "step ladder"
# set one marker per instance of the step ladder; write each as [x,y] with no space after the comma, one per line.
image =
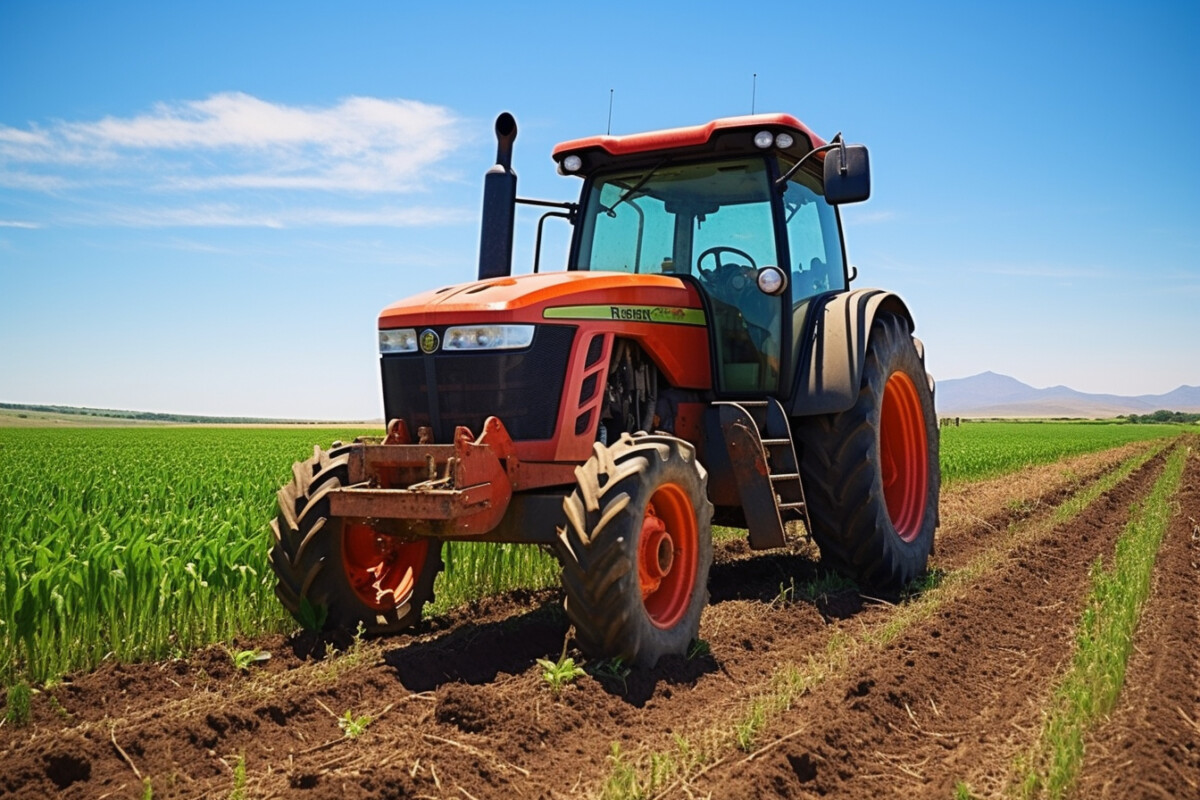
[784,467]
[759,432]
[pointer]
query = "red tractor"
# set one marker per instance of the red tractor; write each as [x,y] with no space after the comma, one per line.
[701,357]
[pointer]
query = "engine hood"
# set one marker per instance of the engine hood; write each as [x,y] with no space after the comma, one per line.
[526,298]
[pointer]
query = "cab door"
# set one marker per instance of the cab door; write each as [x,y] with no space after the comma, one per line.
[729,245]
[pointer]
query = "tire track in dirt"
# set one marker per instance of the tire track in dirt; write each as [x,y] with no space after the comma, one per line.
[1150,745]
[962,688]
[459,709]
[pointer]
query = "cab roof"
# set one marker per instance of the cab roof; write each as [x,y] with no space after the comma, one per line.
[726,136]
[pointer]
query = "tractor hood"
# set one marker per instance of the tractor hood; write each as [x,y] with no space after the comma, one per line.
[546,296]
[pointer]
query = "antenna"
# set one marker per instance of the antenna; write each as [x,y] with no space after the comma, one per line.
[610,99]
[753,92]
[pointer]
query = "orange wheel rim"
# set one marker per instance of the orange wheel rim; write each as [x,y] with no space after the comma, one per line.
[381,571]
[668,551]
[903,455]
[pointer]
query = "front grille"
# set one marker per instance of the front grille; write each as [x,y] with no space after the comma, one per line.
[444,390]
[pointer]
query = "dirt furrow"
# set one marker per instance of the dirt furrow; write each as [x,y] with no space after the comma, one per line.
[1150,745]
[960,689]
[460,710]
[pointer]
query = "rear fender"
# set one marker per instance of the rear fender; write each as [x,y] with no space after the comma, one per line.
[835,346]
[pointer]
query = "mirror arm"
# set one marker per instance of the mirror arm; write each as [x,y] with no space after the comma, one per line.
[570,208]
[837,141]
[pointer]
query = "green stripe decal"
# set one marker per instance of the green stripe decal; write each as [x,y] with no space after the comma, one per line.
[670,315]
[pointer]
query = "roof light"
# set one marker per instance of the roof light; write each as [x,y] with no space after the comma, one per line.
[784,140]
[572,163]
[763,139]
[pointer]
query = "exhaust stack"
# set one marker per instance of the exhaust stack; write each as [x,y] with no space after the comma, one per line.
[499,205]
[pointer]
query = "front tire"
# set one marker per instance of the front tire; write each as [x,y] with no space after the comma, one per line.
[636,549]
[336,574]
[871,472]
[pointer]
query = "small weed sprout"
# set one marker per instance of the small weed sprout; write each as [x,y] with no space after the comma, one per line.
[926,583]
[787,593]
[58,707]
[312,617]
[699,648]
[239,779]
[244,659]
[559,673]
[19,696]
[352,726]
[612,669]
[622,783]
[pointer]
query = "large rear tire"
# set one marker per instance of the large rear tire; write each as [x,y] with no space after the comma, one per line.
[871,472]
[636,549]
[344,572]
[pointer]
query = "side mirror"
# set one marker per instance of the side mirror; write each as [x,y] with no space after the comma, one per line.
[847,174]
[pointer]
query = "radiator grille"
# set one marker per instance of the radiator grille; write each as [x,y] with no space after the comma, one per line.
[445,390]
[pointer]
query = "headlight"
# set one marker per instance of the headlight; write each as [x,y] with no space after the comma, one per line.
[399,340]
[488,337]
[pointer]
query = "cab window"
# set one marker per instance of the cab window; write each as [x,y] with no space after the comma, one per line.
[814,241]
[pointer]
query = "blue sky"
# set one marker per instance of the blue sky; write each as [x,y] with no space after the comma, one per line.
[204,206]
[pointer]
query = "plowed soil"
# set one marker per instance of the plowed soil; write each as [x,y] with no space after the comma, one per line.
[1150,746]
[899,701]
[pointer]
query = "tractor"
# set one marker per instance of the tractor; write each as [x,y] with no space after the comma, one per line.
[701,358]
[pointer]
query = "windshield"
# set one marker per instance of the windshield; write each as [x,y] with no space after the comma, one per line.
[662,219]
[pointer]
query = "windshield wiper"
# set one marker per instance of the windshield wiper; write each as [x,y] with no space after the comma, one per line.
[634,189]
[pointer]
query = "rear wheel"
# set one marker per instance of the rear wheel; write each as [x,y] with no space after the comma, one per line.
[637,548]
[340,574]
[871,472]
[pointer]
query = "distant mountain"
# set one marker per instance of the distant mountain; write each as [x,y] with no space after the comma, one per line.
[991,395]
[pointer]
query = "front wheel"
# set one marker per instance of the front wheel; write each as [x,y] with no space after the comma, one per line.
[637,548]
[871,472]
[337,574]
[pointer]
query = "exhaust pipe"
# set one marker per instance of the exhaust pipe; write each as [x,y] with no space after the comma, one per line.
[499,205]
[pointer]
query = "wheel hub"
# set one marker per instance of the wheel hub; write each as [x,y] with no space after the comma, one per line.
[381,570]
[667,555]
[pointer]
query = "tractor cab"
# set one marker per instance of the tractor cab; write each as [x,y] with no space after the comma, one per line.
[737,207]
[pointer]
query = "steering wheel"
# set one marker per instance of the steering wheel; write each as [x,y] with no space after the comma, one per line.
[727,280]
[716,252]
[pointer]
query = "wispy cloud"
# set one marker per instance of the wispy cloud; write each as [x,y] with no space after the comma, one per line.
[17,223]
[217,155]
[234,216]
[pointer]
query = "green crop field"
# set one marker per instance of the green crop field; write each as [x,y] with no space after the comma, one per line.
[141,543]
[986,449]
